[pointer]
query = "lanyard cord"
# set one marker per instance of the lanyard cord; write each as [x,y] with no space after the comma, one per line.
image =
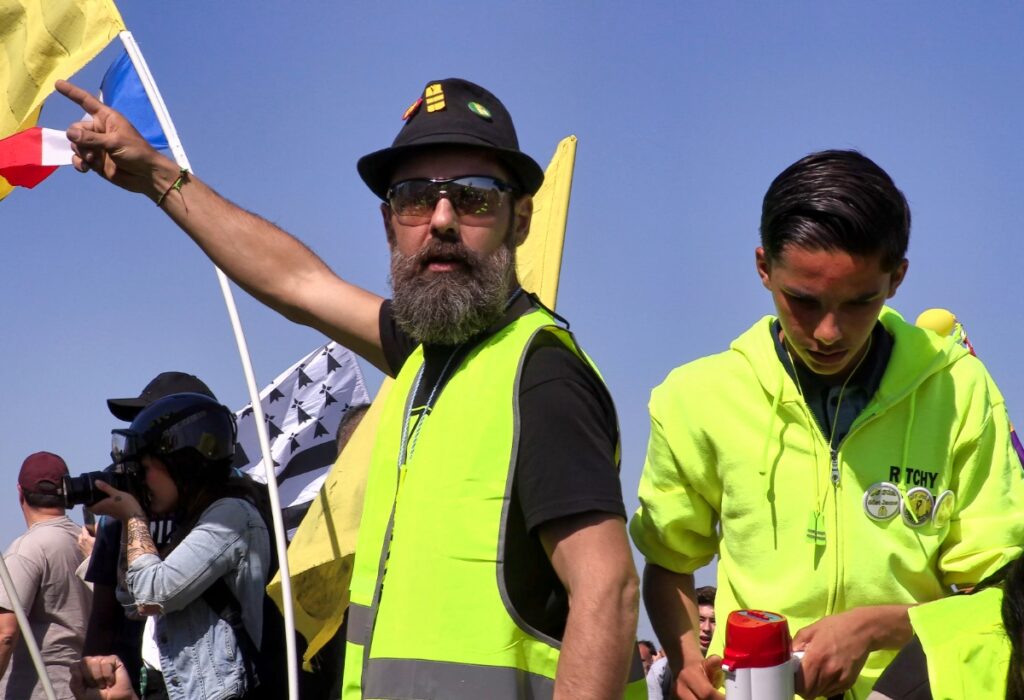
[820,502]
[842,389]
[406,442]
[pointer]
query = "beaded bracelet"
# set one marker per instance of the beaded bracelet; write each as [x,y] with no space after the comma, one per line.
[176,185]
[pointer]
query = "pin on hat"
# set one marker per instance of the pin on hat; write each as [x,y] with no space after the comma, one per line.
[453,112]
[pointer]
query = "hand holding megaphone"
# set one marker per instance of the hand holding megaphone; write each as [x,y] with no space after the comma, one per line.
[759,662]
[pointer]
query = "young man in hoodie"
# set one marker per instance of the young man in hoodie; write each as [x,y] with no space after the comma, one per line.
[843,464]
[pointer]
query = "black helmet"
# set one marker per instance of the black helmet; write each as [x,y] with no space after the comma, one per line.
[178,425]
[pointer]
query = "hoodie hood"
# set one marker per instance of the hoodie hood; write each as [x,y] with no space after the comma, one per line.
[922,354]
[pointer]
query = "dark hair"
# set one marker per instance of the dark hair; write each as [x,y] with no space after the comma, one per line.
[836,200]
[649,644]
[1013,622]
[196,479]
[200,482]
[37,499]
[350,420]
[706,595]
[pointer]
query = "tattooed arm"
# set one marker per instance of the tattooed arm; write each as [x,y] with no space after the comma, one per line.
[138,539]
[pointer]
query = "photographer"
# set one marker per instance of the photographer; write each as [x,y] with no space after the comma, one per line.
[177,453]
[110,631]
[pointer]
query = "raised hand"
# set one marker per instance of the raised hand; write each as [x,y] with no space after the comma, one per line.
[110,145]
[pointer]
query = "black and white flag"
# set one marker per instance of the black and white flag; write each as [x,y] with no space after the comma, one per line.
[303,408]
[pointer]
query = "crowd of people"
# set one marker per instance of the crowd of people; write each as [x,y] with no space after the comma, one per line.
[849,470]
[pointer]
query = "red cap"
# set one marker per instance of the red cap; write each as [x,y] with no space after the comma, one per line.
[756,639]
[41,466]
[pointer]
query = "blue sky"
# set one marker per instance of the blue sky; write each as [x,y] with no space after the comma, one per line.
[684,112]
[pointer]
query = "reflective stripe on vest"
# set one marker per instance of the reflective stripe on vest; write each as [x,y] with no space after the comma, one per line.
[415,678]
[360,622]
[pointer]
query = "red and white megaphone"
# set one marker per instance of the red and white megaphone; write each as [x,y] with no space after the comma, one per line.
[759,662]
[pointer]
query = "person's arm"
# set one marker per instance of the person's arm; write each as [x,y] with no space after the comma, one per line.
[8,638]
[26,575]
[267,262]
[987,527]
[209,551]
[135,536]
[590,554]
[836,647]
[672,608]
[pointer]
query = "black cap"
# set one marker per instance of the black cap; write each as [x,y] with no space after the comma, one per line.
[453,112]
[163,384]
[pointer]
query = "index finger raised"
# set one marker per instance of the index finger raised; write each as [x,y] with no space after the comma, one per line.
[79,96]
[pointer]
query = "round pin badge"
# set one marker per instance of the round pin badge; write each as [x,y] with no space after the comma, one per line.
[917,506]
[882,501]
[942,511]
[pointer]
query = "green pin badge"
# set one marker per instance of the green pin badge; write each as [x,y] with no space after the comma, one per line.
[479,110]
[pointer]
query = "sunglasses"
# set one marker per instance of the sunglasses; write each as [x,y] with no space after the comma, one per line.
[475,198]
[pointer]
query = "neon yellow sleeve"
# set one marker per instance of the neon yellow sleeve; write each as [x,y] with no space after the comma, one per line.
[675,526]
[988,530]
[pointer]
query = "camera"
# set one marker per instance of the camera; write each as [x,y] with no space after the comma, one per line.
[81,489]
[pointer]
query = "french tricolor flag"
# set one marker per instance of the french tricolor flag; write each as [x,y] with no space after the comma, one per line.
[28,157]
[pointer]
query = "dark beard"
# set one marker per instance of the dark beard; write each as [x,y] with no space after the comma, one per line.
[448,308]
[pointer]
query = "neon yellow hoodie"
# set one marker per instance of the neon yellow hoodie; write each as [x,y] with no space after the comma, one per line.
[734,448]
[966,645]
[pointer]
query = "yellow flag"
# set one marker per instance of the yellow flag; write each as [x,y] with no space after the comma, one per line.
[321,553]
[539,258]
[41,41]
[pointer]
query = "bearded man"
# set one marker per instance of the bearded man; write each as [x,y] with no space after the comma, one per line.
[504,569]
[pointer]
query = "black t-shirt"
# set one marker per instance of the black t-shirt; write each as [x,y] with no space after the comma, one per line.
[835,407]
[906,678]
[566,463]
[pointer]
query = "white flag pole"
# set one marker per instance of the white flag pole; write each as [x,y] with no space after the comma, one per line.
[26,631]
[243,351]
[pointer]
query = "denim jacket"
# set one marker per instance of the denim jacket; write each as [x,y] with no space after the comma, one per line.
[199,655]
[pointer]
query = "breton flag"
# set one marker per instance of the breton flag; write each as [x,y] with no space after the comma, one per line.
[302,408]
[42,41]
[29,157]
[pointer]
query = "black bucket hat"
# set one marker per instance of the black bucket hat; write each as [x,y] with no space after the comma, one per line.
[453,112]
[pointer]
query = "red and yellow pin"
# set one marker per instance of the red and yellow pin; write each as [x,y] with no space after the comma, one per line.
[411,109]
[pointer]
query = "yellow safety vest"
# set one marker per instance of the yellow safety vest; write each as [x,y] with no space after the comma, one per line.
[967,648]
[430,616]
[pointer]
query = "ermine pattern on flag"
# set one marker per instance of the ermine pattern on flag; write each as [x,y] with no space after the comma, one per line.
[302,408]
